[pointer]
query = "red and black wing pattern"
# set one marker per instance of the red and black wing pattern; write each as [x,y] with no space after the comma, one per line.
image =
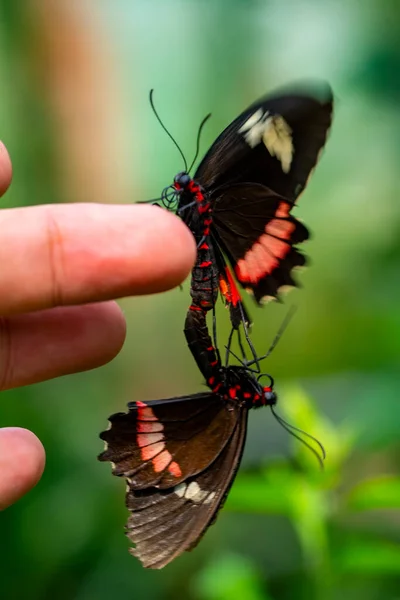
[163,442]
[165,523]
[254,228]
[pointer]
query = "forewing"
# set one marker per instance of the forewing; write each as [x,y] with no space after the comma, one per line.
[162,442]
[165,523]
[254,228]
[275,142]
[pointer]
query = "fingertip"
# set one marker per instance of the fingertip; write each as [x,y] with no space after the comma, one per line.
[174,247]
[5,169]
[22,461]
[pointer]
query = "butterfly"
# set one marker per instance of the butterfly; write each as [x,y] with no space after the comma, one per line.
[239,202]
[180,455]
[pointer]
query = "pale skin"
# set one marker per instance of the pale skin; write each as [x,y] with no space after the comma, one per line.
[61,268]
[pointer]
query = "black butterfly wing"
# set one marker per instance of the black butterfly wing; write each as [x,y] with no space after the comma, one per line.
[165,523]
[275,142]
[254,228]
[163,442]
[253,174]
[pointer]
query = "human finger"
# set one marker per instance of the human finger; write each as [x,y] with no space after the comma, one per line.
[5,169]
[49,343]
[22,460]
[72,254]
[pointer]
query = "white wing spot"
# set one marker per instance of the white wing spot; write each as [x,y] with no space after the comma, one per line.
[253,128]
[274,132]
[251,121]
[180,489]
[194,492]
[277,138]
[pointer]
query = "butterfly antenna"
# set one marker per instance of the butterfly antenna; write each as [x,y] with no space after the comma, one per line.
[278,336]
[204,121]
[291,429]
[166,130]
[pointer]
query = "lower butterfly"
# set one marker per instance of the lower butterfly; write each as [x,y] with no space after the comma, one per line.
[180,455]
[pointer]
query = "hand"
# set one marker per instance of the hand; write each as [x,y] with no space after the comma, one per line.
[54,262]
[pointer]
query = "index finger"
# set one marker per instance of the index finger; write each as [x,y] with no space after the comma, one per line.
[76,253]
[5,169]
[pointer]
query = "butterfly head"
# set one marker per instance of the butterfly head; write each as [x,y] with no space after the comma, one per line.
[172,194]
[269,396]
[266,395]
[241,384]
[182,181]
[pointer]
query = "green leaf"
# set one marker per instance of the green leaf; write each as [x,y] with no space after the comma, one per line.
[376,493]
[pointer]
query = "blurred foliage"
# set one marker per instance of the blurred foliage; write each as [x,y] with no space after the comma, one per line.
[75,116]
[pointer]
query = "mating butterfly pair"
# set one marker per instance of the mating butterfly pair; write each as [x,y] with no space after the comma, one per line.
[180,456]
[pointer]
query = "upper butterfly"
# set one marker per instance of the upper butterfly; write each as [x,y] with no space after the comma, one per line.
[238,203]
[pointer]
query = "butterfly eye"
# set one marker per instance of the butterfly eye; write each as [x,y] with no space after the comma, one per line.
[270,396]
[182,179]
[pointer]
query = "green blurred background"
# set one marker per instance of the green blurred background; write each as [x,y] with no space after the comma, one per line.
[74,113]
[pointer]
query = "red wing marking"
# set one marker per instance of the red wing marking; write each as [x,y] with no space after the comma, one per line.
[283,210]
[161,461]
[150,440]
[264,256]
[235,296]
[272,245]
[145,413]
[149,426]
[175,469]
[232,293]
[223,287]
[280,228]
[149,452]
